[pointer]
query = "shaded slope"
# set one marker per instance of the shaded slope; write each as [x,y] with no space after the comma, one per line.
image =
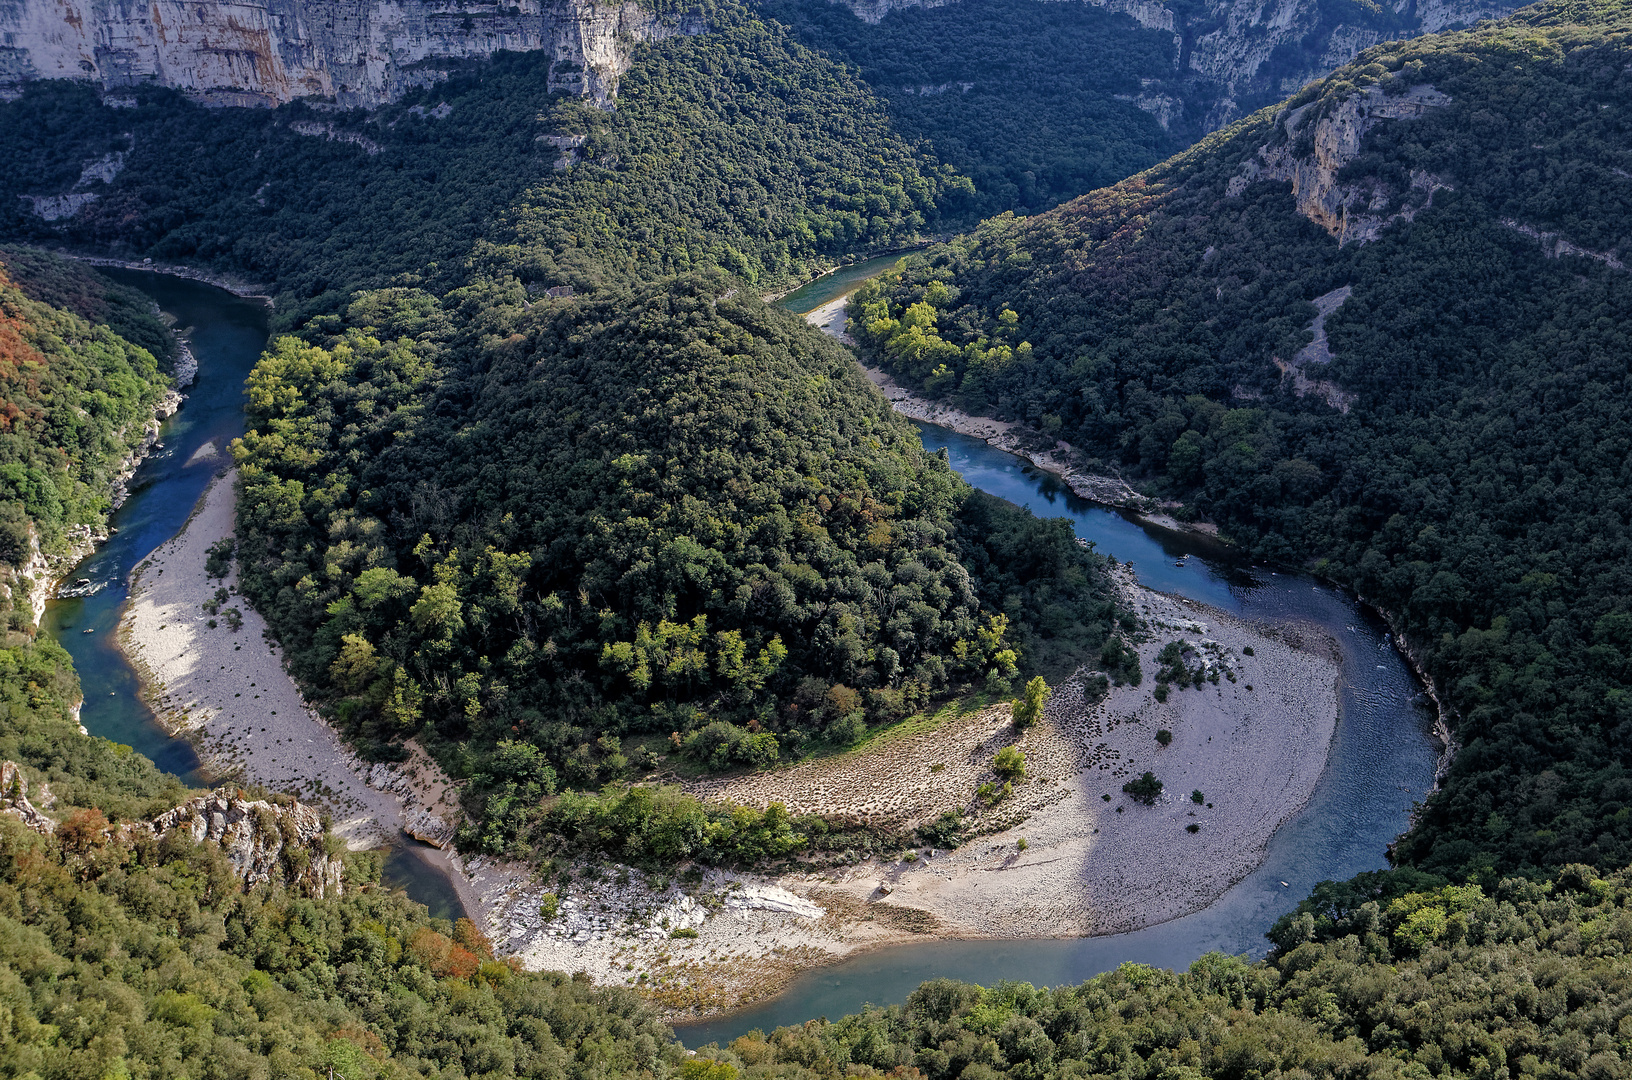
[1477,485]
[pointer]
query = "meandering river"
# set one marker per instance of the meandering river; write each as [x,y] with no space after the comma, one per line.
[1382,757]
[227,334]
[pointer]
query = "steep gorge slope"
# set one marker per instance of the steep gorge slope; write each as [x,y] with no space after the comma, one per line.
[1249,52]
[1452,216]
[737,148]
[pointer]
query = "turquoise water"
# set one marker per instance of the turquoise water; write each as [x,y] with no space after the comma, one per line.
[1382,759]
[227,334]
[813,294]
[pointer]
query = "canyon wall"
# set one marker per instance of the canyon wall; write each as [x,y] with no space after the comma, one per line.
[1243,54]
[355,52]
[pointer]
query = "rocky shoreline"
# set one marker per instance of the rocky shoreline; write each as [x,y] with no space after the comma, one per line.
[228,692]
[247,289]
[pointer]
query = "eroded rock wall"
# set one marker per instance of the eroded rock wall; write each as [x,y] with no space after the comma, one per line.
[1230,45]
[264,841]
[1311,151]
[357,52]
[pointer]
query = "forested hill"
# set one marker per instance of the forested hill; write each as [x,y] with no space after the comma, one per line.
[75,396]
[1453,443]
[538,536]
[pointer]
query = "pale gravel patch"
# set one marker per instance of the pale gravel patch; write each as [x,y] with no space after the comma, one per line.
[1268,749]
[229,692]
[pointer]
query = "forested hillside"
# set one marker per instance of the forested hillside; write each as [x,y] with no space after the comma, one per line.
[149,960]
[1430,980]
[1034,102]
[74,399]
[737,148]
[534,534]
[1460,457]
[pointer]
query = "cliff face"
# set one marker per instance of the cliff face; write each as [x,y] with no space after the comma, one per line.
[358,52]
[1242,54]
[1312,152]
[263,841]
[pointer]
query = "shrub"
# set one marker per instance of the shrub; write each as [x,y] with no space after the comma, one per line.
[1028,709]
[218,558]
[1161,691]
[720,744]
[848,729]
[683,932]
[1147,789]
[945,831]
[1010,763]
[1192,828]
[549,907]
[1165,737]
[1197,797]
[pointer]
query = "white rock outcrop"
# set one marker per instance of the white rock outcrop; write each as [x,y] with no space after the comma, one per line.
[1311,151]
[14,799]
[355,52]
[263,841]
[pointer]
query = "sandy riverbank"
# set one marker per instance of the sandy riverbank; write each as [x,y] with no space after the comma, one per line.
[228,691]
[1090,866]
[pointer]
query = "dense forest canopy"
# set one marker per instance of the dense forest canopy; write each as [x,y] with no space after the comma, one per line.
[532,531]
[547,534]
[75,397]
[1461,461]
[1001,91]
[737,148]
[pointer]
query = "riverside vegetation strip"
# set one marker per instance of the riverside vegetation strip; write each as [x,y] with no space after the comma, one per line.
[1475,489]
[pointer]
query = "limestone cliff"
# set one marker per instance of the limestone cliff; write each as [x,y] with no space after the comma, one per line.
[1237,55]
[263,841]
[356,52]
[1311,151]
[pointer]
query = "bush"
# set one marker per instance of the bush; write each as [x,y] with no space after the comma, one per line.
[1147,789]
[1009,763]
[1165,737]
[848,729]
[1028,709]
[721,744]
[945,831]
[1197,797]
[1161,691]
[218,558]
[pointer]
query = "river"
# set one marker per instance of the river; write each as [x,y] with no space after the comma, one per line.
[1382,756]
[227,334]
[1382,759]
